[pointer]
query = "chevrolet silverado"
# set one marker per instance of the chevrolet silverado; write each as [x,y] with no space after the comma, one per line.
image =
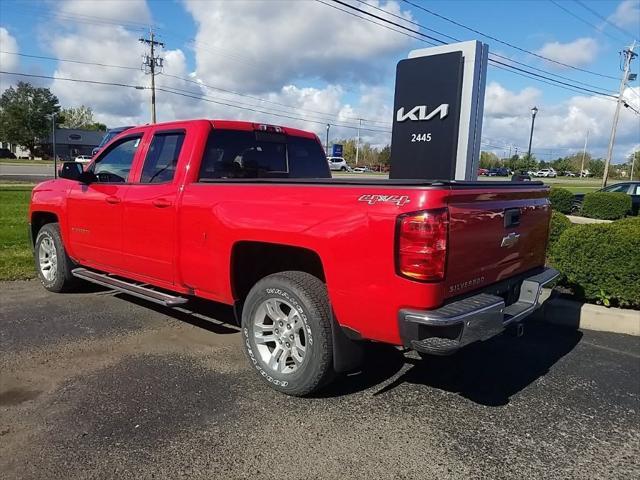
[248,215]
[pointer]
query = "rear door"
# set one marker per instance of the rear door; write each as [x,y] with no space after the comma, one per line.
[494,234]
[149,213]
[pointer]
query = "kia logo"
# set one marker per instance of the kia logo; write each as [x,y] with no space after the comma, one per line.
[419,113]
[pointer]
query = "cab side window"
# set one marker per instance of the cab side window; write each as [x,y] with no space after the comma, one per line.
[162,158]
[114,166]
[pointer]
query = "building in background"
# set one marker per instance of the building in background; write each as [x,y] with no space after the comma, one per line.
[71,142]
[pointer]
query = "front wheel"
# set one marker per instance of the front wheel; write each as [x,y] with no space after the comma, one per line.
[286,325]
[52,262]
[344,169]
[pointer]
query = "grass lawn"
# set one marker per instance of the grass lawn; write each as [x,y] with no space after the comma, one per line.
[16,261]
[24,161]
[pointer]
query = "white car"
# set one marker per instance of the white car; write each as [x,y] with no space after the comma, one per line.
[361,169]
[337,163]
[546,172]
[83,158]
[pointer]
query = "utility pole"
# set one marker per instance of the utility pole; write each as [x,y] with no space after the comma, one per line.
[150,63]
[53,144]
[628,56]
[358,144]
[326,148]
[584,153]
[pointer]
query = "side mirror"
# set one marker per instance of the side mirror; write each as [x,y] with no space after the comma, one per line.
[71,170]
[75,171]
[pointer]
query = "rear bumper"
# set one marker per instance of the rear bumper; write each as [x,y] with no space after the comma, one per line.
[447,329]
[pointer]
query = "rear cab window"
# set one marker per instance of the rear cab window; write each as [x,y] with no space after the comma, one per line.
[239,154]
[162,157]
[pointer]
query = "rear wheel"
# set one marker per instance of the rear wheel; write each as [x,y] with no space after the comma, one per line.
[52,262]
[344,169]
[286,324]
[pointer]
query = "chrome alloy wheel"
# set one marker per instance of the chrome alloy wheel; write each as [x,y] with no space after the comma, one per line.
[48,258]
[279,335]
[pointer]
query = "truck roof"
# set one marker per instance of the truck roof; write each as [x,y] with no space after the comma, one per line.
[230,125]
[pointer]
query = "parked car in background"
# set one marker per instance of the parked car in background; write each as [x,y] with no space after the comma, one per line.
[83,158]
[630,188]
[569,174]
[499,172]
[6,153]
[482,172]
[546,172]
[112,132]
[586,173]
[337,164]
[362,170]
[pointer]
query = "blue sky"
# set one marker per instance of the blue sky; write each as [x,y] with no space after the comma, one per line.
[304,57]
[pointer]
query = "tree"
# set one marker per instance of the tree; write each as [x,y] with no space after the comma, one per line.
[595,167]
[634,164]
[79,117]
[489,160]
[25,115]
[384,157]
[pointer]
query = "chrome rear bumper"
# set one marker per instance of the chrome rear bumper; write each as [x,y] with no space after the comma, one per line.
[447,329]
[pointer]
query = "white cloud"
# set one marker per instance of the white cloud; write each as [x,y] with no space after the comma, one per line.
[8,62]
[261,46]
[627,14]
[581,51]
[560,127]
[500,102]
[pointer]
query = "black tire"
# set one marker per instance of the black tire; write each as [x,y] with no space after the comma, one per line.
[344,169]
[308,295]
[60,279]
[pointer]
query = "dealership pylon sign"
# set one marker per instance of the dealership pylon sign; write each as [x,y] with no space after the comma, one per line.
[439,101]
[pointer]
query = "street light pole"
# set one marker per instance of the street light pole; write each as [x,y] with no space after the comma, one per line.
[326,147]
[358,144]
[53,145]
[534,111]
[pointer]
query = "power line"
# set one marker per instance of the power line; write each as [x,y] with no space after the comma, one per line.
[491,54]
[329,115]
[252,108]
[193,95]
[576,16]
[94,82]
[496,63]
[606,20]
[41,57]
[495,39]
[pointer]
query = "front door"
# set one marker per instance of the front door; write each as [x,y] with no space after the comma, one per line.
[94,211]
[149,221]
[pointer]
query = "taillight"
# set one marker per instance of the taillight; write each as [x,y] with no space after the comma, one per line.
[422,245]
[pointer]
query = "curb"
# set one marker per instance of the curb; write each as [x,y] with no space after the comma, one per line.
[575,219]
[569,313]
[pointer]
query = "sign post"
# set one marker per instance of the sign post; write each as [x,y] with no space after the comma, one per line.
[439,100]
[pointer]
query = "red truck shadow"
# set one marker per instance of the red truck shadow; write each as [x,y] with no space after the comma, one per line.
[488,373]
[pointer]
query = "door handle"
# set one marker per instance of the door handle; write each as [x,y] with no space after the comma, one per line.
[112,200]
[161,203]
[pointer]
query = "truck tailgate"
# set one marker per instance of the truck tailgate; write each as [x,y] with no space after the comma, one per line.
[494,234]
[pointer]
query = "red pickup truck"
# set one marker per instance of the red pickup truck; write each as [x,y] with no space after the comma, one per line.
[248,215]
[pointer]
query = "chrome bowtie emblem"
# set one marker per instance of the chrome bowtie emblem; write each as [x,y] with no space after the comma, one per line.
[510,240]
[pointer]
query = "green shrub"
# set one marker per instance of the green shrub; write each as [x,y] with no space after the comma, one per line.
[606,205]
[601,262]
[559,223]
[561,199]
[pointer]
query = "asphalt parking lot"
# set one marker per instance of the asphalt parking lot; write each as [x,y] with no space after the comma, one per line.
[99,385]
